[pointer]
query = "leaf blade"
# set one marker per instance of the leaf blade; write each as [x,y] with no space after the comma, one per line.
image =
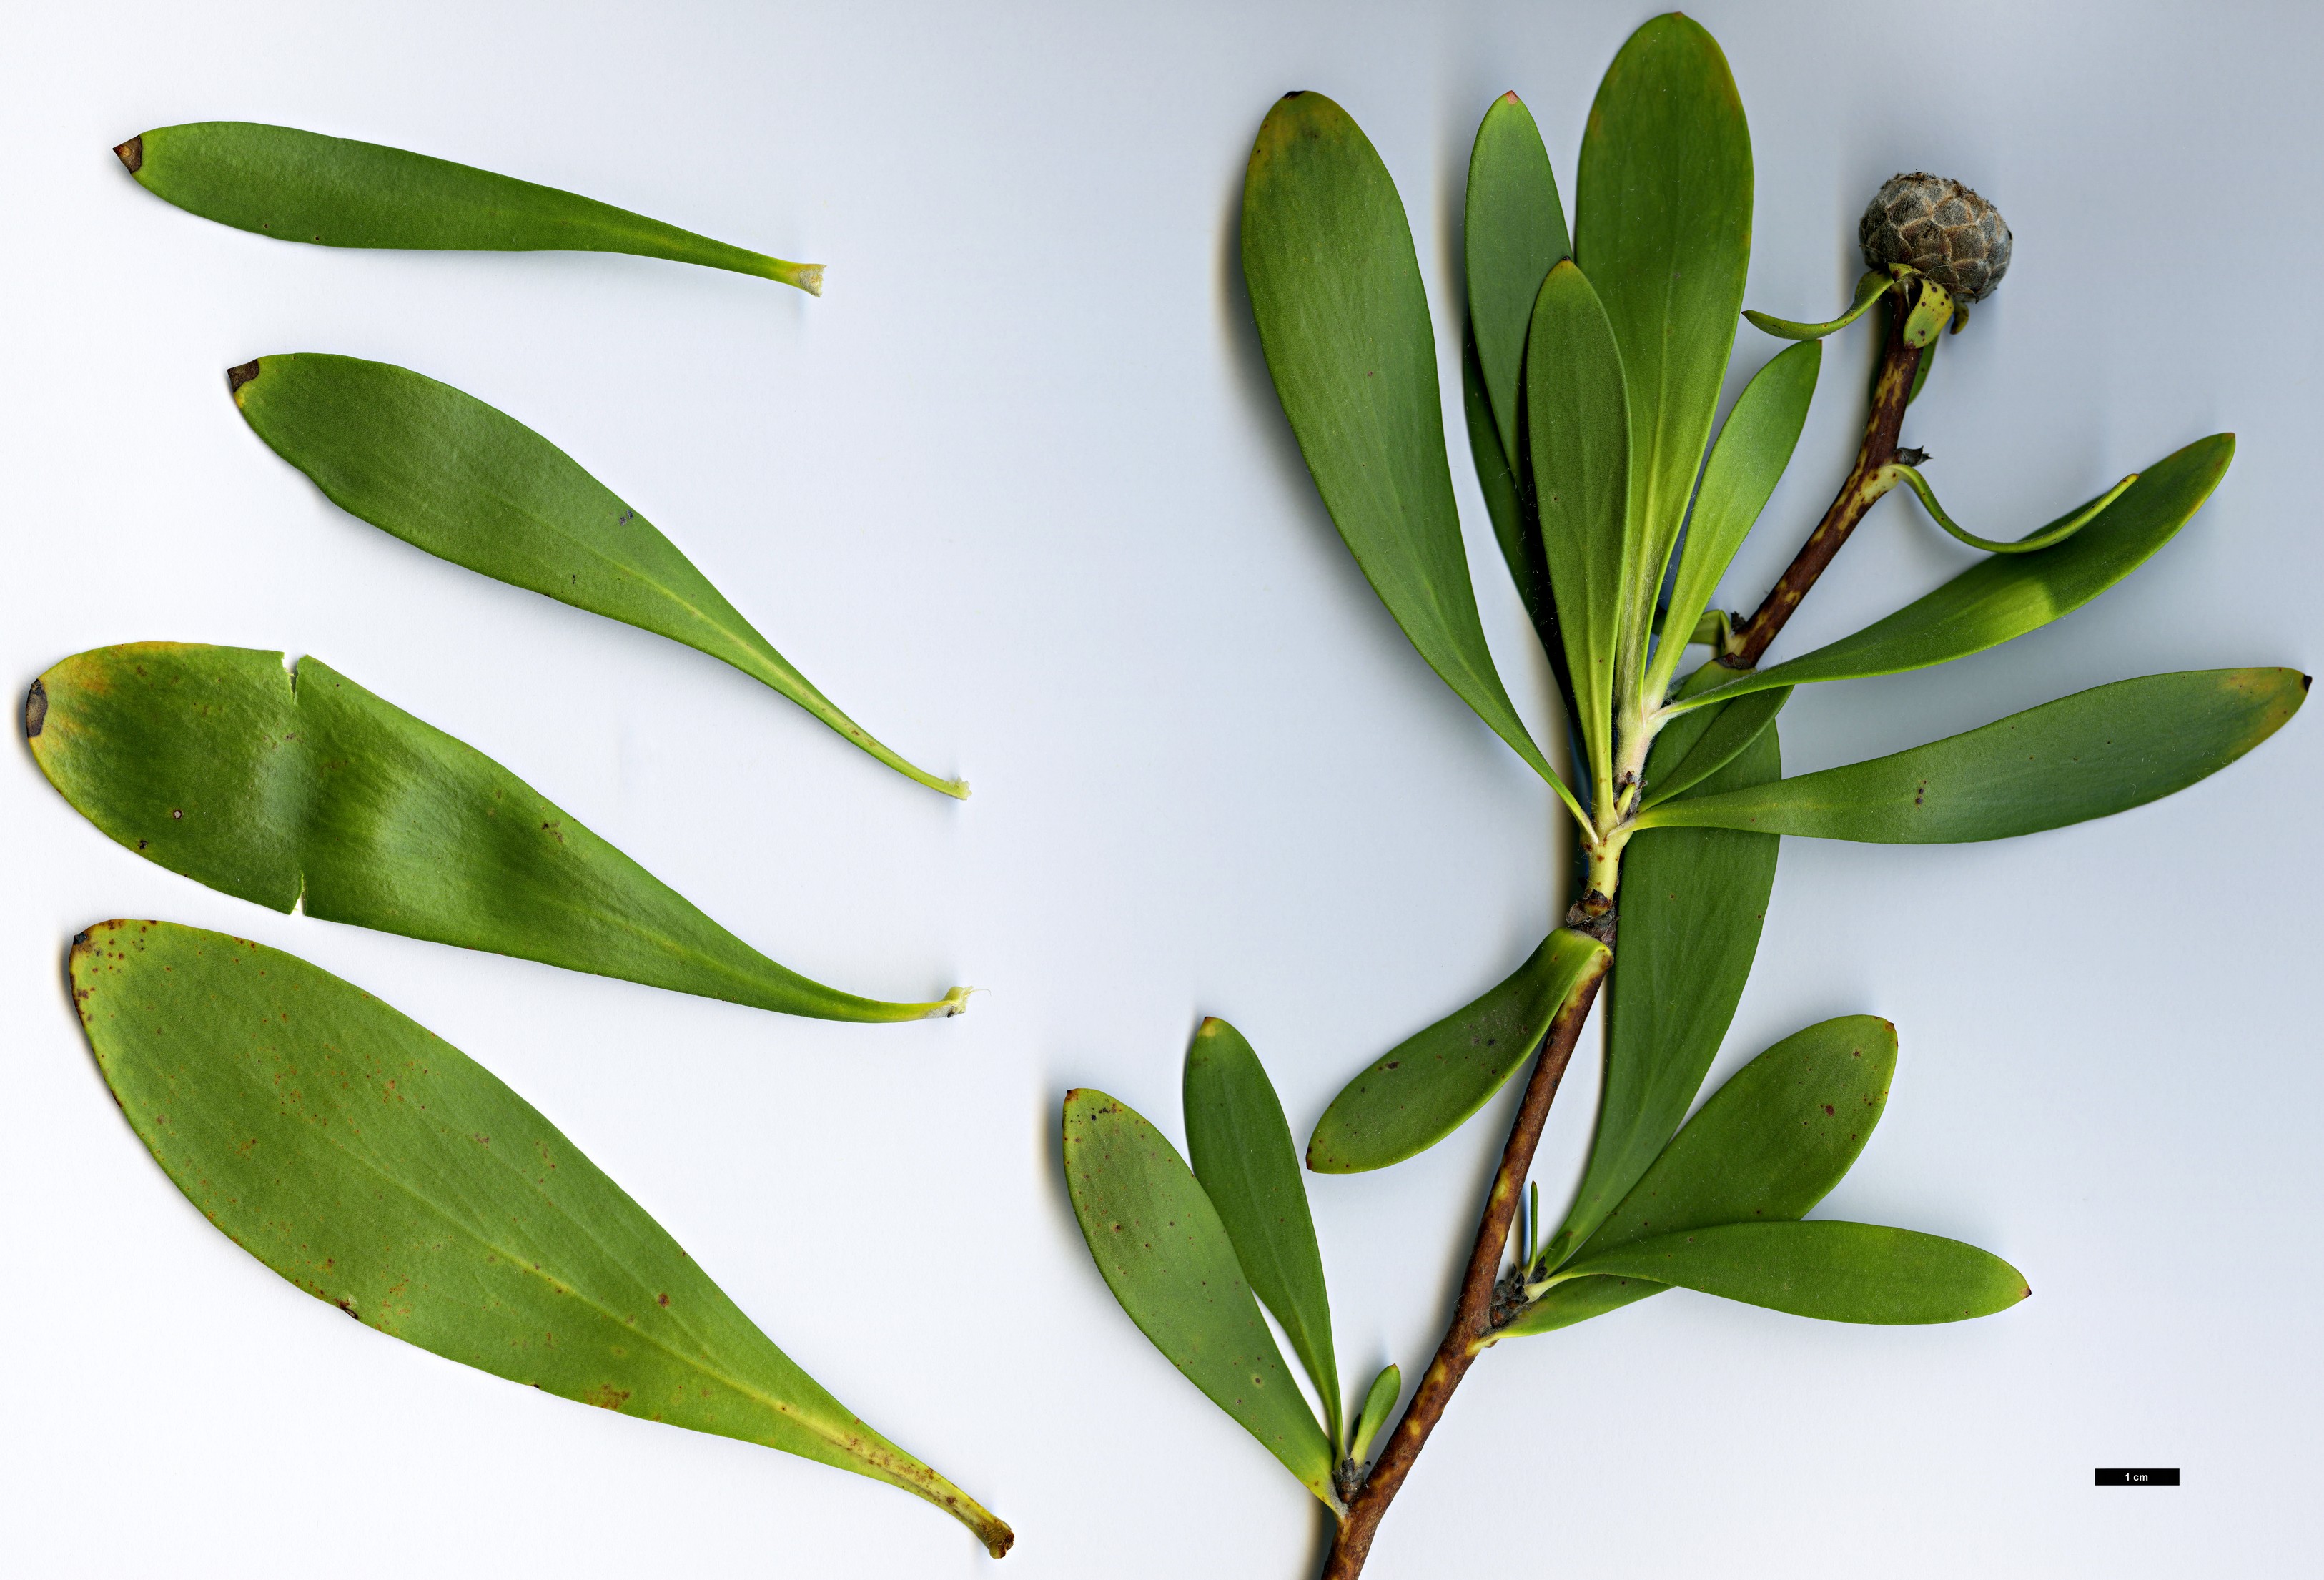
[1427,1087]
[213,762]
[1732,727]
[1662,228]
[382,1171]
[1831,1270]
[1754,447]
[1162,1249]
[1379,1400]
[1512,231]
[1579,431]
[446,473]
[300,186]
[1335,288]
[2089,755]
[1997,600]
[1245,1160]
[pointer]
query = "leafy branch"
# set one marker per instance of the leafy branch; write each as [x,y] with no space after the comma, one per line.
[1591,379]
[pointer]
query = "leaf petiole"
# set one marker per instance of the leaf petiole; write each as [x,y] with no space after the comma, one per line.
[2056,533]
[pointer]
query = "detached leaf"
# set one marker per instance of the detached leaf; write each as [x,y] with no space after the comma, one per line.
[1167,1259]
[1768,1145]
[446,473]
[1840,1272]
[1997,600]
[1512,231]
[1579,433]
[1336,287]
[2089,755]
[1245,1160]
[382,1171]
[1692,903]
[1663,228]
[303,187]
[213,763]
[1424,1089]
[1754,447]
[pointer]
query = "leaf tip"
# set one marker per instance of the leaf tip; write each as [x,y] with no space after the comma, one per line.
[236,378]
[132,153]
[36,709]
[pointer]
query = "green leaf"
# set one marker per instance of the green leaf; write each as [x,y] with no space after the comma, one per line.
[1513,230]
[445,472]
[1379,1400]
[303,187]
[1336,287]
[1582,474]
[212,762]
[1663,228]
[1870,288]
[1772,1142]
[1729,729]
[1691,908]
[1768,1145]
[1244,1157]
[1422,1090]
[384,1172]
[2088,755]
[1997,599]
[1512,523]
[1167,1259]
[1754,447]
[1840,1272]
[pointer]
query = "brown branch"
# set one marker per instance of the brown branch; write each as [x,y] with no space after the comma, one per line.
[1472,1314]
[1869,479]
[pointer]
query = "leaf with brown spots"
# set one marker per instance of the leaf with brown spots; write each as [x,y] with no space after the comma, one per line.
[1167,1258]
[368,1188]
[1768,1145]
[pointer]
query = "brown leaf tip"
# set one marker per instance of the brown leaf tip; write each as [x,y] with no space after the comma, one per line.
[236,378]
[132,153]
[36,710]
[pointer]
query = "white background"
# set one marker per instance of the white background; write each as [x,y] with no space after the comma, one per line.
[1017,494]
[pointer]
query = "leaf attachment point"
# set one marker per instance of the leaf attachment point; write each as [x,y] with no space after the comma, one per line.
[1422,1090]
